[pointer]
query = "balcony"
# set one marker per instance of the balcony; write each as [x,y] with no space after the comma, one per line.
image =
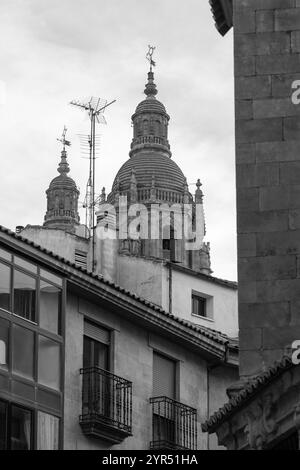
[174,425]
[106,405]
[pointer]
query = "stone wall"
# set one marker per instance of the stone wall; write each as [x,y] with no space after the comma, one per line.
[267,61]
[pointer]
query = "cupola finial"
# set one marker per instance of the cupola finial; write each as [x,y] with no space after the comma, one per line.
[63,167]
[149,56]
[150,90]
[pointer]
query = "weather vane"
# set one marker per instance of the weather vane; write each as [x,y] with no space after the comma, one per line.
[63,139]
[149,55]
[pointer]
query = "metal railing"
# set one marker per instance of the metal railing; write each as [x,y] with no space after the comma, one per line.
[174,425]
[106,399]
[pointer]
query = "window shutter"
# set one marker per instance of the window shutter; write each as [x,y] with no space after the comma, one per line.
[81,259]
[164,375]
[96,332]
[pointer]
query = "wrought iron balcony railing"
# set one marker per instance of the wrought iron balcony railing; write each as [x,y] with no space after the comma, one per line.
[106,405]
[174,425]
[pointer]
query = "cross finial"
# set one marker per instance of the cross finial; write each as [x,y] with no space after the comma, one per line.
[149,55]
[63,139]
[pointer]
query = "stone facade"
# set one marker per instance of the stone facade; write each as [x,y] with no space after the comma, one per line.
[263,410]
[264,415]
[267,62]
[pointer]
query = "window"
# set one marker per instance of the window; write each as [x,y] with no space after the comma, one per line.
[26,265]
[24,295]
[50,307]
[164,376]
[96,346]
[23,352]
[96,343]
[4,286]
[199,305]
[20,428]
[164,386]
[17,428]
[49,363]
[48,432]
[4,326]
[168,243]
[51,277]
[3,425]
[5,254]
[36,296]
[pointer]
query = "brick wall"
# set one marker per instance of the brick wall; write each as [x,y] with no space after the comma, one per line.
[267,61]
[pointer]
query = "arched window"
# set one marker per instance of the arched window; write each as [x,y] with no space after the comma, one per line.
[67,203]
[158,128]
[145,126]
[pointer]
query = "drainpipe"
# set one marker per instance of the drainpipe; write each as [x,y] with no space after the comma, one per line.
[170,288]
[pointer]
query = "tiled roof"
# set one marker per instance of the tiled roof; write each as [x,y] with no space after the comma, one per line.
[250,389]
[222,13]
[209,333]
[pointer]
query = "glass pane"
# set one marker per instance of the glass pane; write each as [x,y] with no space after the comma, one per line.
[3,425]
[49,363]
[51,277]
[24,295]
[25,264]
[48,432]
[22,349]
[4,325]
[21,426]
[5,254]
[95,354]
[50,306]
[4,287]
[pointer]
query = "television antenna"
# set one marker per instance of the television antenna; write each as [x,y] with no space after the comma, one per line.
[95,108]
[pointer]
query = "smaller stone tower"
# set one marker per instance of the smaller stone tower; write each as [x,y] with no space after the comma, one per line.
[62,200]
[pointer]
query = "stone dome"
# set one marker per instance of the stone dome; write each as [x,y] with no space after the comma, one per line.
[150,104]
[167,174]
[62,181]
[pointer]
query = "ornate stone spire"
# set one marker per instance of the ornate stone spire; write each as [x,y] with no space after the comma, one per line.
[198,193]
[186,194]
[103,195]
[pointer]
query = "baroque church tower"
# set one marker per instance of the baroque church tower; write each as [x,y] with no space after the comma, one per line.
[62,200]
[150,176]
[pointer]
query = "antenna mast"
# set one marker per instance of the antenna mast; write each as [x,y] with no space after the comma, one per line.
[95,108]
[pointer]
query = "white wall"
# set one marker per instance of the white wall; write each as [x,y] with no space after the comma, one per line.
[150,279]
[223,299]
[133,348]
[58,241]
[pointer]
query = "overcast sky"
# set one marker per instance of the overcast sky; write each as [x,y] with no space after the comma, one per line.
[53,51]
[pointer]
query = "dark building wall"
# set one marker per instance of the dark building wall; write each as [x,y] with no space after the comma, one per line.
[267,61]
